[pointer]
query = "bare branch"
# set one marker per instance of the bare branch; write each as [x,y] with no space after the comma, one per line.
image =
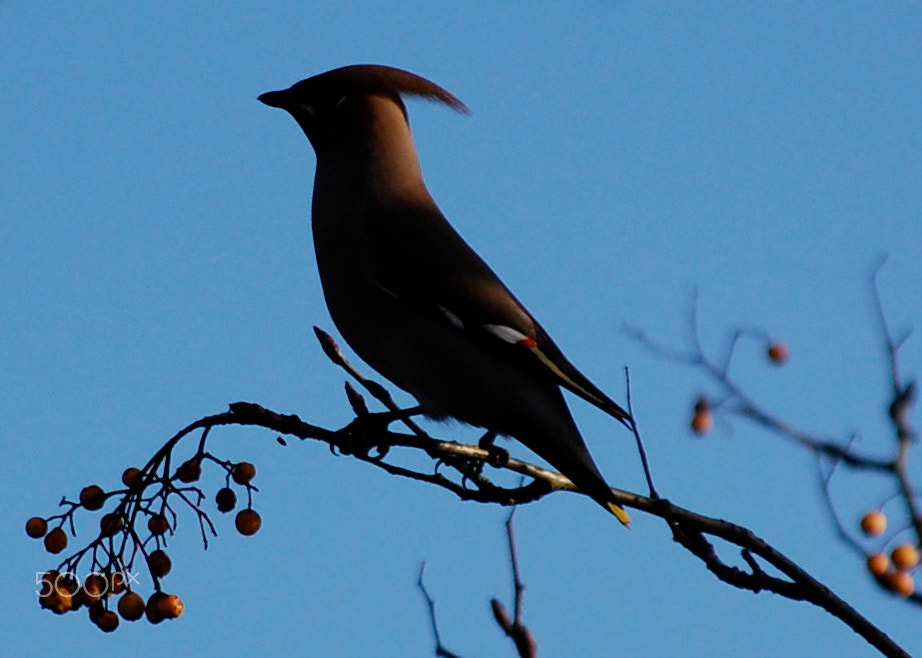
[639,441]
[734,400]
[368,439]
[515,628]
[440,649]
[689,528]
[335,354]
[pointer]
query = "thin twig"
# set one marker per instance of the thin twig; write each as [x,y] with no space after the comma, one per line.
[825,479]
[904,397]
[334,353]
[515,628]
[636,431]
[440,649]
[733,398]
[736,399]
[517,584]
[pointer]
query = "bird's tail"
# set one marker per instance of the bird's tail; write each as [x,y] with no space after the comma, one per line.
[595,486]
[619,513]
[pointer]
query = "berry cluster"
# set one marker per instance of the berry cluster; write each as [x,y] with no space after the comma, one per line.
[134,533]
[893,572]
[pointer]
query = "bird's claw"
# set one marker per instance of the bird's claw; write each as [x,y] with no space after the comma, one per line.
[496,457]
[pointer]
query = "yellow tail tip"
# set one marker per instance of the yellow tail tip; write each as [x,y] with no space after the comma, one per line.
[620,514]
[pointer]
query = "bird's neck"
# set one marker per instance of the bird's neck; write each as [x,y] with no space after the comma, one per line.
[377,164]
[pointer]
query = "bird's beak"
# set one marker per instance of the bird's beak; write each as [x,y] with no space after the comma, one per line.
[275,98]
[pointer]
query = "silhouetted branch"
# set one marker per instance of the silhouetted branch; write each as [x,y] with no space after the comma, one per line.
[368,439]
[689,529]
[515,628]
[639,441]
[904,397]
[440,649]
[825,478]
[733,399]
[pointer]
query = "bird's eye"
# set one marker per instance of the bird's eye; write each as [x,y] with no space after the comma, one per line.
[327,103]
[322,105]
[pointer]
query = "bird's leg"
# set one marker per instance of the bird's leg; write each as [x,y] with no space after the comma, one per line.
[498,457]
[472,469]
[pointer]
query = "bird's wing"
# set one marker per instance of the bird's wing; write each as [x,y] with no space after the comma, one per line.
[419,257]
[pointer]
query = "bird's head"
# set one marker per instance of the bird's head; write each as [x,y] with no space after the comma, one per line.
[346,104]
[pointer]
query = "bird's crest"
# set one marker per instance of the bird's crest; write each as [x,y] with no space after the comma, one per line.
[385,80]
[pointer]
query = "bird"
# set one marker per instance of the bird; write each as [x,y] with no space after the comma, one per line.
[410,296]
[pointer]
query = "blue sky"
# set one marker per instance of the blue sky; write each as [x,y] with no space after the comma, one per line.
[156,264]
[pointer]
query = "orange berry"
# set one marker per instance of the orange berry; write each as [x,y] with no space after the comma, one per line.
[67,583]
[159,563]
[110,524]
[80,599]
[226,499]
[247,522]
[95,587]
[172,606]
[900,582]
[57,592]
[702,422]
[905,557]
[878,564]
[48,595]
[107,622]
[243,472]
[153,610]
[93,497]
[132,477]
[36,527]
[56,540]
[117,582]
[874,523]
[189,471]
[95,611]
[162,606]
[131,606]
[47,581]
[58,603]
[778,353]
[158,525]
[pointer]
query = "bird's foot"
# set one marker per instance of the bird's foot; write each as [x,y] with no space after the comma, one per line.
[472,468]
[496,457]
